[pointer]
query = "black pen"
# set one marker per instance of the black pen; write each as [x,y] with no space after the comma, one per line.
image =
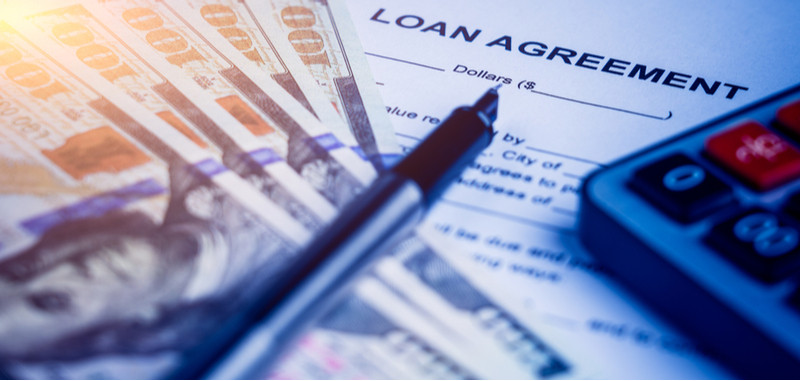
[390,207]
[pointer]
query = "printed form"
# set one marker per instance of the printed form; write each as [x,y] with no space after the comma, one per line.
[584,84]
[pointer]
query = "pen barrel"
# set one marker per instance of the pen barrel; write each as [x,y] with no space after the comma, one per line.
[388,209]
[446,152]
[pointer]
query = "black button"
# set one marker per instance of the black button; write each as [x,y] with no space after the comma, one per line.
[762,243]
[792,206]
[794,300]
[681,187]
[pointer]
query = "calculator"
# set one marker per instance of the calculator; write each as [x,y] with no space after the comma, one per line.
[705,228]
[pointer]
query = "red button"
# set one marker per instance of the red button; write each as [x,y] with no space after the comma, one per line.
[789,116]
[753,152]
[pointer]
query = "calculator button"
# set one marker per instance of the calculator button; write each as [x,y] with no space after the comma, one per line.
[756,154]
[763,243]
[681,187]
[789,116]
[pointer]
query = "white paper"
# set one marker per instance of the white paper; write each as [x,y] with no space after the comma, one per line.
[515,209]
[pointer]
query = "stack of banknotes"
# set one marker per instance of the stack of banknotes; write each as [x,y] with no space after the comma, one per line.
[158,156]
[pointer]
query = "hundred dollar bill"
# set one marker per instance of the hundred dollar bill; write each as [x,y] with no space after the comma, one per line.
[237,23]
[466,350]
[373,334]
[133,249]
[261,112]
[56,157]
[420,267]
[324,38]
[106,61]
[74,28]
[299,126]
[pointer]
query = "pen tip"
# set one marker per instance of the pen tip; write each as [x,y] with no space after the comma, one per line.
[497,87]
[487,104]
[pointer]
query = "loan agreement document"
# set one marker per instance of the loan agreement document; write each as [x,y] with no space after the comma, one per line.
[584,83]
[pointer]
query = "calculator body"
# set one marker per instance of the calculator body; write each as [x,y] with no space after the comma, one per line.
[704,228]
